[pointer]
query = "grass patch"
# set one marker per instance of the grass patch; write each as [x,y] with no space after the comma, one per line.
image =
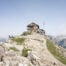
[27,33]
[55,52]
[13,48]
[19,41]
[25,52]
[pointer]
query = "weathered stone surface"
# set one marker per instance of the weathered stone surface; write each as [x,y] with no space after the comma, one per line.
[2,52]
[38,56]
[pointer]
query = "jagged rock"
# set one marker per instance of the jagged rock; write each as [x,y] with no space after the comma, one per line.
[2,52]
[36,50]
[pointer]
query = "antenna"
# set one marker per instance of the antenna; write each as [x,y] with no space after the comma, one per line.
[43,24]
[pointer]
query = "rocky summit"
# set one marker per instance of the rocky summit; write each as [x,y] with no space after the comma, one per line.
[27,49]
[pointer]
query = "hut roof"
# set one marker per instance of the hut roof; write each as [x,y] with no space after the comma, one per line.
[32,25]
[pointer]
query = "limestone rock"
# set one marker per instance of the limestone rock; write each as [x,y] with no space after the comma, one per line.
[38,56]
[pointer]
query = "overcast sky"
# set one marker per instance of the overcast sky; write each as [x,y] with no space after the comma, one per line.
[15,15]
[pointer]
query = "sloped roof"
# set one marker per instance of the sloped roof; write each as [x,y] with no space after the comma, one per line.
[32,24]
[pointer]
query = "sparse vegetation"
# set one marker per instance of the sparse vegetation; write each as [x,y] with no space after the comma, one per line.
[26,33]
[25,52]
[19,41]
[13,48]
[55,52]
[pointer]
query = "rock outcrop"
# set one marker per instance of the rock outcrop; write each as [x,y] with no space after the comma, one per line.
[28,49]
[38,55]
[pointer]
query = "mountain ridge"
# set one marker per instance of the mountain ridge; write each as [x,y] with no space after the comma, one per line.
[32,48]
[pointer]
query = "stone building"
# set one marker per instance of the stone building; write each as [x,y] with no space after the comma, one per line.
[41,31]
[33,27]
